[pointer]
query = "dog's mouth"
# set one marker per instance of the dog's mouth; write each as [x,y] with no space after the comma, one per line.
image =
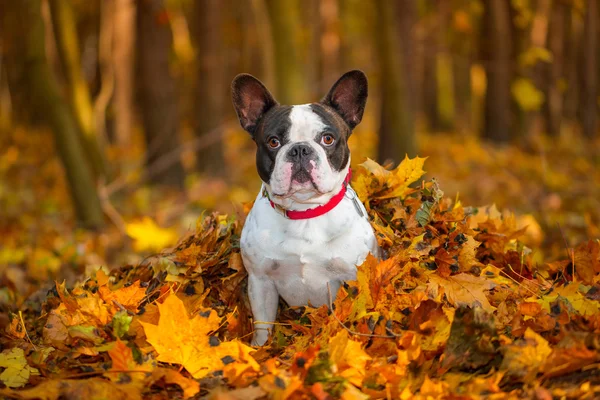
[301,183]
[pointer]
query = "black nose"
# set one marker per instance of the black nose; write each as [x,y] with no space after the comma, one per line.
[300,151]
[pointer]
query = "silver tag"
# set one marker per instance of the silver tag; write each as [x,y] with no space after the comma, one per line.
[351,194]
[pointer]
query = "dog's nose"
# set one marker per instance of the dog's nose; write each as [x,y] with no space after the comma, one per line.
[300,151]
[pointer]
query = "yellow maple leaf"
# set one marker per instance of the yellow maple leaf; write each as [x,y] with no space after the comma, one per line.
[374,181]
[572,293]
[179,339]
[525,358]
[148,236]
[348,357]
[17,371]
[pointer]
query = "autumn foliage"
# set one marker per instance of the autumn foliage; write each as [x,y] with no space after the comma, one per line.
[457,309]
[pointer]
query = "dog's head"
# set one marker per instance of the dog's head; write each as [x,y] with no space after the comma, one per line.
[302,151]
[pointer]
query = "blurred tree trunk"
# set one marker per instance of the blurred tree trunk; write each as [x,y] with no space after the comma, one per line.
[65,32]
[43,94]
[444,68]
[396,135]
[429,96]
[311,18]
[159,103]
[266,46]
[555,70]
[573,39]
[464,36]
[211,87]
[589,71]
[329,41]
[497,53]
[407,16]
[346,25]
[537,38]
[285,27]
[123,61]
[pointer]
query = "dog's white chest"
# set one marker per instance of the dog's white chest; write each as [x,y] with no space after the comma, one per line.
[303,257]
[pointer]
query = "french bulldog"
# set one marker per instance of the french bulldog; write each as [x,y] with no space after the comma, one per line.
[307,231]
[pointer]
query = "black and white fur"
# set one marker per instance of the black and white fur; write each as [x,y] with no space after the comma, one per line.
[302,158]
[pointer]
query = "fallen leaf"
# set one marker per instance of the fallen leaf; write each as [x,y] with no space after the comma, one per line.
[465,290]
[124,364]
[525,357]
[180,339]
[148,236]
[17,371]
[349,357]
[373,181]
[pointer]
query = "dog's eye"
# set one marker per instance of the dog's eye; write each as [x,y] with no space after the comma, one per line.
[274,143]
[327,140]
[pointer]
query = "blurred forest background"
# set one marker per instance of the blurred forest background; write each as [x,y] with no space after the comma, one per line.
[115,115]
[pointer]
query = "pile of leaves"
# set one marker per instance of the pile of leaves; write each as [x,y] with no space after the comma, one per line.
[456,309]
[554,179]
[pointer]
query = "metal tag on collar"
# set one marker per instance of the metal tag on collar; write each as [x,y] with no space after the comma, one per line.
[351,194]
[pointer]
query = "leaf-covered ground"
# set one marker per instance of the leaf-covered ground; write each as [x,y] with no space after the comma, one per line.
[460,308]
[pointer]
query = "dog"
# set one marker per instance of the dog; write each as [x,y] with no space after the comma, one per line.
[307,231]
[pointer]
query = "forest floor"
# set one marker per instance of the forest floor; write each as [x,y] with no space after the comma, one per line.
[474,300]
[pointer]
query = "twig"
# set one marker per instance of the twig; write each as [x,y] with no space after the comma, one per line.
[570,252]
[518,284]
[372,335]
[271,323]
[165,161]
[25,329]
[109,209]
[287,364]
[121,307]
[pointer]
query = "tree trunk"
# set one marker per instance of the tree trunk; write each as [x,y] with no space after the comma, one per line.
[396,136]
[464,36]
[329,44]
[284,18]
[497,52]
[211,88]
[573,39]
[555,71]
[444,68]
[534,120]
[65,32]
[589,72]
[44,97]
[157,92]
[407,15]
[429,97]
[266,47]
[123,61]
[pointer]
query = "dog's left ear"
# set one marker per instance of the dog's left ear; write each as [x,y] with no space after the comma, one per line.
[348,97]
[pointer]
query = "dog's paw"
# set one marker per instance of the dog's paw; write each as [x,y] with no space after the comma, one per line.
[260,337]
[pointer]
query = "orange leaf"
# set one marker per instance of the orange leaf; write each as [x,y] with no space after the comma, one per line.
[180,339]
[129,297]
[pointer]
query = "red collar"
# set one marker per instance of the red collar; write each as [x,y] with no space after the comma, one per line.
[313,212]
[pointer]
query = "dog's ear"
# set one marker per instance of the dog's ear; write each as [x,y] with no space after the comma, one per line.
[251,100]
[348,97]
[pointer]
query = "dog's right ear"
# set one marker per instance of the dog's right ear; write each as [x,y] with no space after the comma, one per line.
[251,100]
